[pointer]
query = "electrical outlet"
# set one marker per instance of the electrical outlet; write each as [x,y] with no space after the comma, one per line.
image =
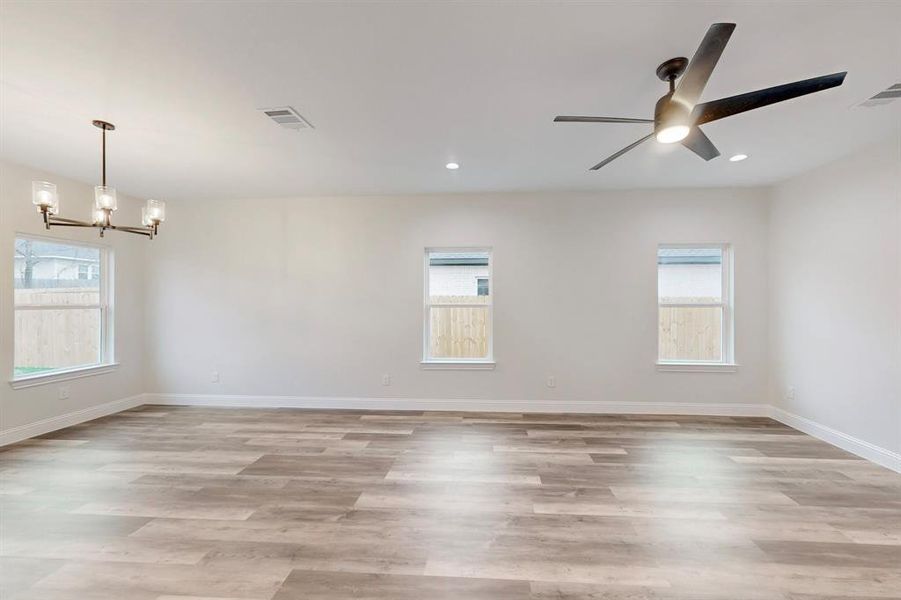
[63,392]
[551,381]
[790,393]
[386,379]
[214,377]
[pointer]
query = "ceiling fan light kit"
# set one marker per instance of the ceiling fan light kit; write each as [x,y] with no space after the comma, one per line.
[672,134]
[678,113]
[45,197]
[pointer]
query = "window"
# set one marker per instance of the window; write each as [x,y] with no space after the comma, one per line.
[694,304]
[61,306]
[458,307]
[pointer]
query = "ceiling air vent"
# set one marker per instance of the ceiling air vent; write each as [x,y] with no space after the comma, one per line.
[287,117]
[891,94]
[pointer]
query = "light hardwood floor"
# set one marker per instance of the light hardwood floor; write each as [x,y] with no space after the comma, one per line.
[167,503]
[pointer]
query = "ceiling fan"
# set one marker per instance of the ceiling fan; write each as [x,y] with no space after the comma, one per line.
[678,115]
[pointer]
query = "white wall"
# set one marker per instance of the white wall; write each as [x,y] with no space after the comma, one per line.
[835,281]
[322,296]
[31,405]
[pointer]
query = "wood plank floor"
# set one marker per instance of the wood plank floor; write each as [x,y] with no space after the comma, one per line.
[169,503]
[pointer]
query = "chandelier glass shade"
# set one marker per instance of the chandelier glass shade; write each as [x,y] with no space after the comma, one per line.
[44,196]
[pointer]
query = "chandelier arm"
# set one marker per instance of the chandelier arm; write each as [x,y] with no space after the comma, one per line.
[64,221]
[71,224]
[138,230]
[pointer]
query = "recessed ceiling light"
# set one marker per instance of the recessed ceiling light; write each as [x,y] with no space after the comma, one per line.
[738,157]
[452,166]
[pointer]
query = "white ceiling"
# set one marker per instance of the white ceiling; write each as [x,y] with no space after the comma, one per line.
[396,90]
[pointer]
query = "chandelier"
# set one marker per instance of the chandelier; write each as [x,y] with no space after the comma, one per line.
[46,199]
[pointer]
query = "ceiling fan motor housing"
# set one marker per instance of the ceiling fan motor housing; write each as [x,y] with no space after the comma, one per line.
[668,113]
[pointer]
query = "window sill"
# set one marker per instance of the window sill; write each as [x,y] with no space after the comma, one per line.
[696,367]
[56,376]
[463,365]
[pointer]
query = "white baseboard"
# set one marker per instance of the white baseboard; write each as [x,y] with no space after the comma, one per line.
[23,432]
[472,405]
[877,454]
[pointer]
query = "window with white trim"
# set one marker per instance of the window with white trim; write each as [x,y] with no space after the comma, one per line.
[694,304]
[458,305]
[61,303]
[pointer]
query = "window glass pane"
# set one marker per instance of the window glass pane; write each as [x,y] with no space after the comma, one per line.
[49,273]
[47,339]
[459,294]
[689,275]
[691,333]
[459,278]
[458,332]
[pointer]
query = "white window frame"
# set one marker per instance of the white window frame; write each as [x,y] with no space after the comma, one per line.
[107,361]
[727,304]
[428,362]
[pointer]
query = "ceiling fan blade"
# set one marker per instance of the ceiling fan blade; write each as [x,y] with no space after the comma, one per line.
[692,83]
[613,157]
[700,144]
[733,105]
[569,119]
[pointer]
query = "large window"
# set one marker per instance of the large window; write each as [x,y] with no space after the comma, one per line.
[458,306]
[61,304]
[694,304]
